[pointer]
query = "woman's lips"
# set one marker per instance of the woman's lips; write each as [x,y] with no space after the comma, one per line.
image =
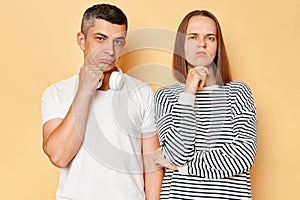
[201,53]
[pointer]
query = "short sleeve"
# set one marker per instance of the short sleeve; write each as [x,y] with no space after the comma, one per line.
[57,98]
[148,124]
[50,107]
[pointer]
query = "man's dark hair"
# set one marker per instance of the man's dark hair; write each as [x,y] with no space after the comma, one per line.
[106,12]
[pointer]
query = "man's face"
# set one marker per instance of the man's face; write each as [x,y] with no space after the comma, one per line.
[103,44]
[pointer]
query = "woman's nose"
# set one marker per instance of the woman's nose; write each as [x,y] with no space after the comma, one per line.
[201,42]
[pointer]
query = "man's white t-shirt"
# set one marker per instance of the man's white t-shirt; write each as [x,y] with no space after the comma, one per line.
[109,163]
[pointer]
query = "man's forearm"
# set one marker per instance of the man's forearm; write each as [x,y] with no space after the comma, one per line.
[153,182]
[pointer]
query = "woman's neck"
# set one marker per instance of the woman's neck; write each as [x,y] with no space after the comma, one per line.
[211,78]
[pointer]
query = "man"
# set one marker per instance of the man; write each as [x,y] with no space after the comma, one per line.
[98,126]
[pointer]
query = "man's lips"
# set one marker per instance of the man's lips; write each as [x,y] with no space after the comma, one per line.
[106,61]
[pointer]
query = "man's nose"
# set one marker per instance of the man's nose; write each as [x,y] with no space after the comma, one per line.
[109,47]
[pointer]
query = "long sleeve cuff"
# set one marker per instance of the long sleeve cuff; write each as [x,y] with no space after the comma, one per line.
[183,169]
[186,98]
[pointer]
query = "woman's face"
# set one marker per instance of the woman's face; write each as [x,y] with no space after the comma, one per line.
[200,41]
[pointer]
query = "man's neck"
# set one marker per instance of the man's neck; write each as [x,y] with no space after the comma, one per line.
[105,81]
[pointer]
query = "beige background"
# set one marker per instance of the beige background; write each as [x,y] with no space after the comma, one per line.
[38,47]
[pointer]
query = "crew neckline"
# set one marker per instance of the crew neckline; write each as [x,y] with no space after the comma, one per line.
[211,87]
[104,92]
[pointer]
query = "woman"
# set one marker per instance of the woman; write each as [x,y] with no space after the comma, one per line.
[206,122]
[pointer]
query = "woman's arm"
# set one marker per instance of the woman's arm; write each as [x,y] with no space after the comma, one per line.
[175,120]
[237,156]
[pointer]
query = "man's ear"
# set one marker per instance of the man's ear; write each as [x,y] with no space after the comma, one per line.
[81,40]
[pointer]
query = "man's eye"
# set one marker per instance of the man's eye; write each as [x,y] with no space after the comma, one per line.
[120,42]
[100,38]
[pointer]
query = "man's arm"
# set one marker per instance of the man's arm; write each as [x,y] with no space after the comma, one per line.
[62,138]
[153,175]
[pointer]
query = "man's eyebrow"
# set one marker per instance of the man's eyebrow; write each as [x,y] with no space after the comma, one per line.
[120,38]
[105,36]
[101,34]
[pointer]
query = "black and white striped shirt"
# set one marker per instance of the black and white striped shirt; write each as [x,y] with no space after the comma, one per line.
[211,136]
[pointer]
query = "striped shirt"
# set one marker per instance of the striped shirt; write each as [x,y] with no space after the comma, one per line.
[211,137]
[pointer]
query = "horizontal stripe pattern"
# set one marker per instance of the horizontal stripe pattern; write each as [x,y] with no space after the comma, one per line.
[214,137]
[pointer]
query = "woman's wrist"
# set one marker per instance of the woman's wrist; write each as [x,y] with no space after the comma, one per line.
[172,167]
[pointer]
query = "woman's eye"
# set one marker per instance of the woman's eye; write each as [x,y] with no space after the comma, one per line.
[192,37]
[211,38]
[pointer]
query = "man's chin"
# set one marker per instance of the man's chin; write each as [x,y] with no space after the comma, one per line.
[106,67]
